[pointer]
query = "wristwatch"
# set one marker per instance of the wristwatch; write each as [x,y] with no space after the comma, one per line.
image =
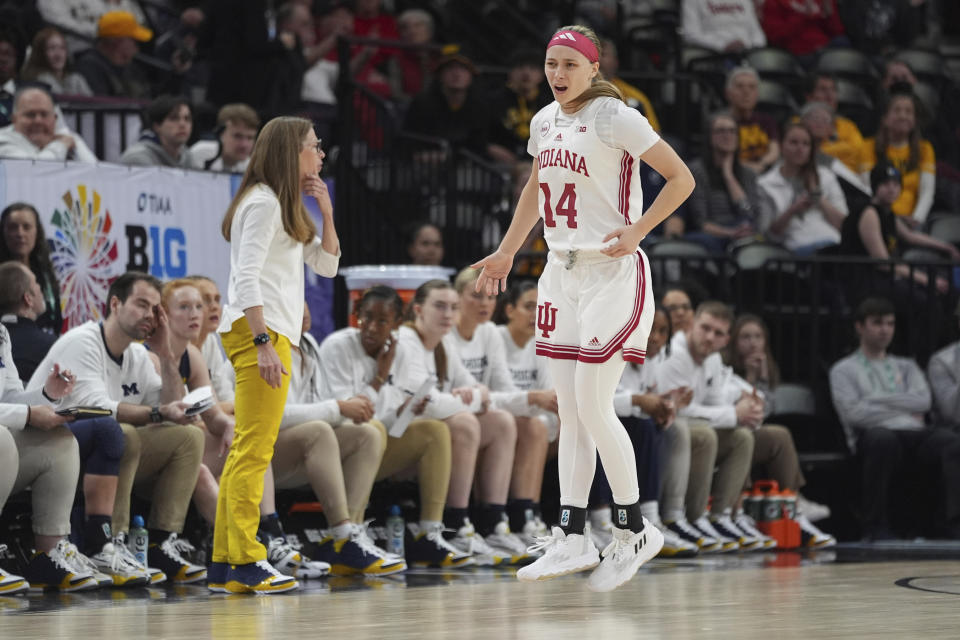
[155,415]
[263,338]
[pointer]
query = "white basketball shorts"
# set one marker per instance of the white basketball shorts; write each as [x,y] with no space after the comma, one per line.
[590,306]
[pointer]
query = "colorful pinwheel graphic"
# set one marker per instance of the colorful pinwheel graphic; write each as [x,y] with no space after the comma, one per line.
[84,256]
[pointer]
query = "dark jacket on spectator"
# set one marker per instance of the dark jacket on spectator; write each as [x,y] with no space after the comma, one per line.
[106,79]
[28,342]
[710,201]
[430,114]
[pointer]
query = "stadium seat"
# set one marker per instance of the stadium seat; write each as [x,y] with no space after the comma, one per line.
[855,103]
[777,65]
[946,228]
[849,64]
[927,66]
[775,100]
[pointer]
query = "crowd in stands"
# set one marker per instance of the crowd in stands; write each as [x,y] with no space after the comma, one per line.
[701,411]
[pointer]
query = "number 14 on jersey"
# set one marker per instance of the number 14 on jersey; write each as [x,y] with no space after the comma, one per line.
[566,205]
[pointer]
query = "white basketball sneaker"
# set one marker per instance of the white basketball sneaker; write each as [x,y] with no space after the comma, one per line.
[562,554]
[624,556]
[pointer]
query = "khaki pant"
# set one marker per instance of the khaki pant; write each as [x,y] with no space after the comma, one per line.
[774,450]
[161,461]
[340,464]
[46,462]
[734,455]
[426,444]
[688,457]
[258,410]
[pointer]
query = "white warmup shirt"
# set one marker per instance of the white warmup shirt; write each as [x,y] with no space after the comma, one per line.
[102,381]
[222,378]
[13,399]
[713,24]
[637,380]
[305,398]
[530,373]
[588,170]
[266,266]
[485,358]
[709,381]
[420,365]
[348,371]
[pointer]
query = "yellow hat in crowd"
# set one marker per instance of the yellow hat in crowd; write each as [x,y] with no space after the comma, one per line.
[122,24]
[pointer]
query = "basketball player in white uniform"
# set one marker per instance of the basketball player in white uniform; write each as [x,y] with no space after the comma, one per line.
[595,305]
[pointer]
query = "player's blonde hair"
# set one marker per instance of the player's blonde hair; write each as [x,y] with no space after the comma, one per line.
[467,276]
[275,162]
[599,87]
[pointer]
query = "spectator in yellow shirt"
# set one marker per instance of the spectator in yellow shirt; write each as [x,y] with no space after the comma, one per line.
[845,140]
[898,139]
[609,66]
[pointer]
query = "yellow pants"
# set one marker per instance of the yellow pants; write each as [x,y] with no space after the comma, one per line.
[258,410]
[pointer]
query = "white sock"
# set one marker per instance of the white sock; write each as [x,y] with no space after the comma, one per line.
[342,531]
[650,510]
[672,515]
[427,525]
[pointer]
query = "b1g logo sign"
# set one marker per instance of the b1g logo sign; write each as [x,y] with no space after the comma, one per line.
[158,250]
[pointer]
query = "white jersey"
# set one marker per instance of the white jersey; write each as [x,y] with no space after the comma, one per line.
[306,400]
[588,169]
[102,381]
[485,358]
[222,377]
[13,400]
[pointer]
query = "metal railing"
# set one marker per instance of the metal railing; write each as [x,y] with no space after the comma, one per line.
[107,125]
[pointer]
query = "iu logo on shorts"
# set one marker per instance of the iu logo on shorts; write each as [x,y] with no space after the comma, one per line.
[546,318]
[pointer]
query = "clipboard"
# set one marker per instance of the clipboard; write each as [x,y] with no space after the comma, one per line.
[84,413]
[406,416]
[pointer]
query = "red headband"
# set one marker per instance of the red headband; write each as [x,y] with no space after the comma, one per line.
[576,41]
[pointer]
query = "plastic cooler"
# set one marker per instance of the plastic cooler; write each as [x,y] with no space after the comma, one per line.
[405,278]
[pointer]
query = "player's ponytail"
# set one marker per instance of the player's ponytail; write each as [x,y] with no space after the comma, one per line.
[600,87]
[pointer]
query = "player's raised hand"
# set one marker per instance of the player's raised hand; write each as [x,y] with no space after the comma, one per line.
[494,270]
[627,240]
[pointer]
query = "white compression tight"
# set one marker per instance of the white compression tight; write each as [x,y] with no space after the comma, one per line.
[588,423]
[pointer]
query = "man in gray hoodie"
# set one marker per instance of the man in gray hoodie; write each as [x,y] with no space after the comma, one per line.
[881,400]
[944,373]
[168,122]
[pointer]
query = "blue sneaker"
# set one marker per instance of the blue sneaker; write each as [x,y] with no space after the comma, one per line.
[257,577]
[217,577]
[357,554]
[167,555]
[56,570]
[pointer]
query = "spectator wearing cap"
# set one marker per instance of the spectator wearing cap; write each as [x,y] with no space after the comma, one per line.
[609,66]
[34,134]
[943,371]
[513,105]
[875,230]
[168,122]
[237,126]
[759,134]
[451,108]
[109,67]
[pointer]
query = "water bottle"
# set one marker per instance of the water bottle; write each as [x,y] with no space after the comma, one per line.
[395,528]
[139,540]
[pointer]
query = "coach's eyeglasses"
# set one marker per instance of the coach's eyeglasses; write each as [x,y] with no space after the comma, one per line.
[318,146]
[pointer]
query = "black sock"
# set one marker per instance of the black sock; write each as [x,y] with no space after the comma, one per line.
[628,516]
[572,519]
[157,536]
[270,526]
[96,533]
[490,516]
[520,511]
[453,517]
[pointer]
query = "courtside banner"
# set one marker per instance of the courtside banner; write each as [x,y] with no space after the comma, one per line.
[104,219]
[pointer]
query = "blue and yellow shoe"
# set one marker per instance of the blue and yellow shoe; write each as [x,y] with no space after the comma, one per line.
[428,548]
[56,570]
[357,554]
[167,557]
[217,577]
[257,577]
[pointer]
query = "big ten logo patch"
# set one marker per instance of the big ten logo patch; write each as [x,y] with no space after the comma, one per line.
[158,250]
[546,318]
[622,517]
[565,518]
